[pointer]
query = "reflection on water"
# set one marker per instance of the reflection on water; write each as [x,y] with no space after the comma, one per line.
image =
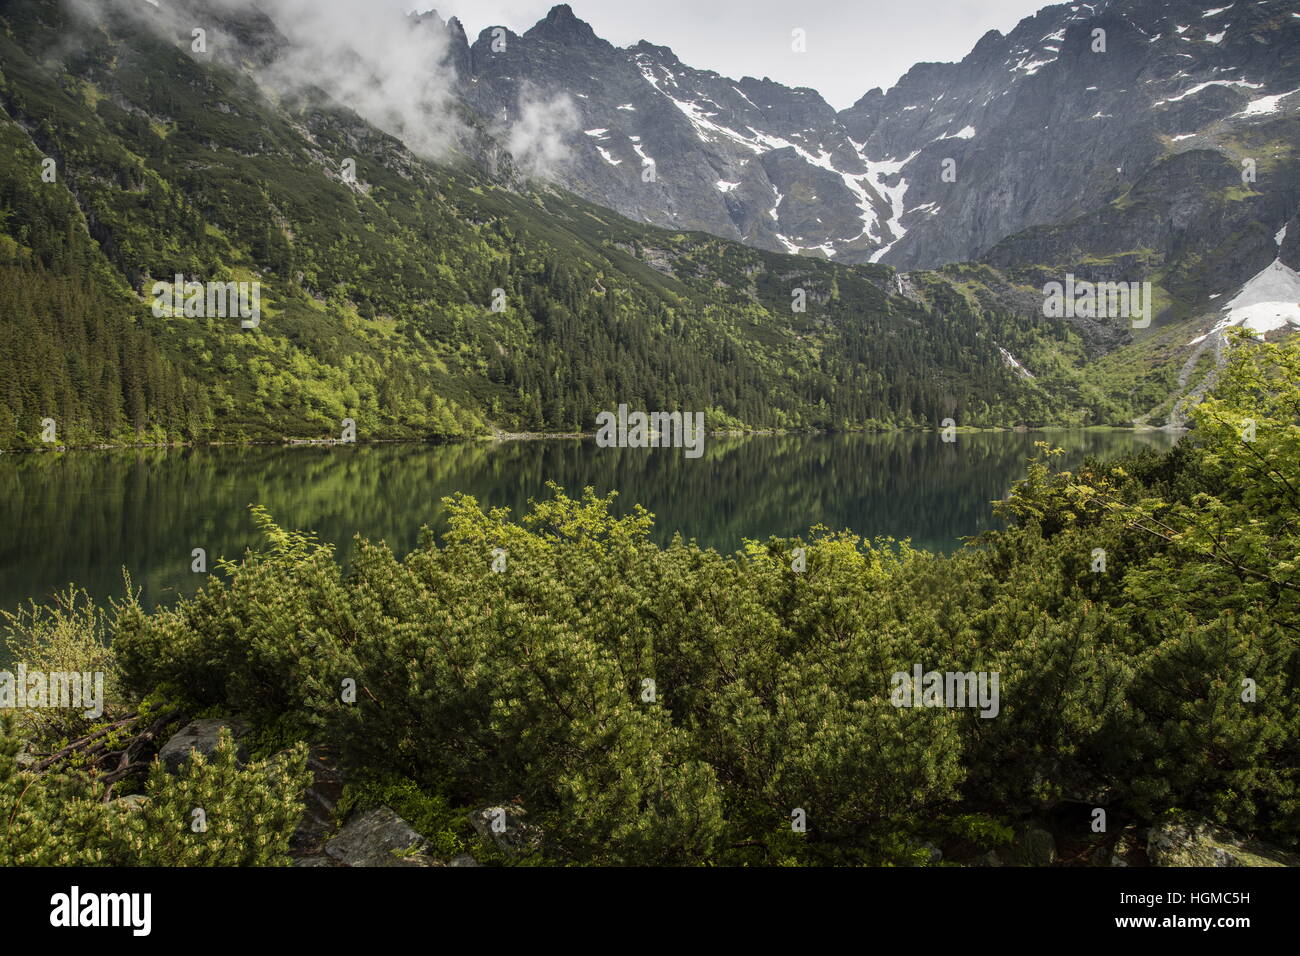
[83,516]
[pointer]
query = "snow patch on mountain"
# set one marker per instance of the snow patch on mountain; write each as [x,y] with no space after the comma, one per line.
[1269,301]
[863,187]
[1265,104]
[877,173]
[1208,83]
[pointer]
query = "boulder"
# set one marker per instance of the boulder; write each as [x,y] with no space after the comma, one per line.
[376,837]
[201,736]
[132,801]
[505,827]
[463,859]
[319,802]
[1189,841]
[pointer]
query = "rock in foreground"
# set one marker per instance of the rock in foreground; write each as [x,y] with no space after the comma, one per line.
[377,837]
[200,736]
[1191,842]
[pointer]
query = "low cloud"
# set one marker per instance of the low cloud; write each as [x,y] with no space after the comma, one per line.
[393,70]
[390,69]
[539,138]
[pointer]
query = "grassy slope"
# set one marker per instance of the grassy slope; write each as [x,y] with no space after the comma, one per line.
[376,297]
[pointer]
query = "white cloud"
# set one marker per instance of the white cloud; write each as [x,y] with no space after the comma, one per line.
[538,138]
[390,70]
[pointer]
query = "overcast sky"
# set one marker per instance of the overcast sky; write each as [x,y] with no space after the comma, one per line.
[852,45]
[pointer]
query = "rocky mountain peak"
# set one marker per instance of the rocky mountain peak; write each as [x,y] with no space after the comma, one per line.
[561,25]
[1041,124]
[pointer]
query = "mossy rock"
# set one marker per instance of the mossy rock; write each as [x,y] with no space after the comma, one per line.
[1185,841]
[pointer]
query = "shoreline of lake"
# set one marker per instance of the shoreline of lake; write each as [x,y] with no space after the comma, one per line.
[147,509]
[552,436]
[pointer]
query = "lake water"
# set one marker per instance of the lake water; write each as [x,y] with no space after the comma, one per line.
[80,517]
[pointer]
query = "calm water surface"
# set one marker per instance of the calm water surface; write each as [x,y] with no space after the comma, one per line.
[81,517]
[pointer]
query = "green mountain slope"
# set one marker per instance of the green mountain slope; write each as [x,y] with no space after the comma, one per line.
[377,294]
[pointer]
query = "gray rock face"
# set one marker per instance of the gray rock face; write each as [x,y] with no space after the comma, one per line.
[319,802]
[745,159]
[416,859]
[1038,126]
[377,837]
[1192,842]
[505,827]
[200,736]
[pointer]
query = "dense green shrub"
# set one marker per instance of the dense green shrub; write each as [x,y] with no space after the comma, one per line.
[68,635]
[655,704]
[58,819]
